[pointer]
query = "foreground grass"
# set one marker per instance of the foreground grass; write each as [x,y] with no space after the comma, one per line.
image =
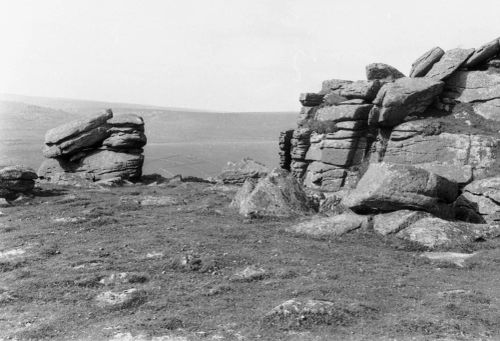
[50,290]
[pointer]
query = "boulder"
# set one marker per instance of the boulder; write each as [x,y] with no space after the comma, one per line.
[424,63]
[334,226]
[403,97]
[393,222]
[338,113]
[126,120]
[311,99]
[238,172]
[15,180]
[276,195]
[347,90]
[391,187]
[480,88]
[72,146]
[448,64]
[74,128]
[455,156]
[382,72]
[126,140]
[435,233]
[99,165]
[482,54]
[480,201]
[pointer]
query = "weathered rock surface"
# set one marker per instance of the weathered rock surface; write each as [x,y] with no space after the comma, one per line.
[74,128]
[482,54]
[449,63]
[393,222]
[101,164]
[403,97]
[311,99]
[347,90]
[277,195]
[249,274]
[99,148]
[481,88]
[480,201]
[435,233]
[391,187]
[238,172]
[425,62]
[334,226]
[455,156]
[383,72]
[15,180]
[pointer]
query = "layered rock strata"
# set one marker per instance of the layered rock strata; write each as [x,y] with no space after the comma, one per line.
[100,147]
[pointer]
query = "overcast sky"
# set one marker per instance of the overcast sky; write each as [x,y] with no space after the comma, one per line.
[226,55]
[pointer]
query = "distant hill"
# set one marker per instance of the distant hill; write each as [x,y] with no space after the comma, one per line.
[179,140]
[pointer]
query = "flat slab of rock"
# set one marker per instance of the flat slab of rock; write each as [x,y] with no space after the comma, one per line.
[449,63]
[238,172]
[126,120]
[403,97]
[277,195]
[455,258]
[424,63]
[383,72]
[482,54]
[334,226]
[338,113]
[71,129]
[392,187]
[393,222]
[435,233]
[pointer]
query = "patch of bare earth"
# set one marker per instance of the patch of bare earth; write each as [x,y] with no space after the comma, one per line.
[99,265]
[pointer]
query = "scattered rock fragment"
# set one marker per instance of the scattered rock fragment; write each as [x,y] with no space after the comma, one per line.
[120,299]
[382,72]
[334,226]
[237,173]
[454,258]
[250,273]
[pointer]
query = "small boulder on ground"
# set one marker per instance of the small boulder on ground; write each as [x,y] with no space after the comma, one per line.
[238,172]
[435,233]
[393,222]
[277,195]
[334,226]
[391,187]
[120,299]
[455,258]
[248,274]
[297,313]
[16,180]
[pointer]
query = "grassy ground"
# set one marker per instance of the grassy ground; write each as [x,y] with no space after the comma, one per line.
[51,271]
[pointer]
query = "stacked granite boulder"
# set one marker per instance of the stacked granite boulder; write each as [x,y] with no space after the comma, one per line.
[428,120]
[101,147]
[415,153]
[16,180]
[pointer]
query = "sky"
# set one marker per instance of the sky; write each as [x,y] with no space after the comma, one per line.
[221,55]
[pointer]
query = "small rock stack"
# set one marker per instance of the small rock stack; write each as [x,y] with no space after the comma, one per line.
[15,180]
[403,120]
[101,147]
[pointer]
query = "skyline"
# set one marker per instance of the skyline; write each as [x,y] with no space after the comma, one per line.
[221,55]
